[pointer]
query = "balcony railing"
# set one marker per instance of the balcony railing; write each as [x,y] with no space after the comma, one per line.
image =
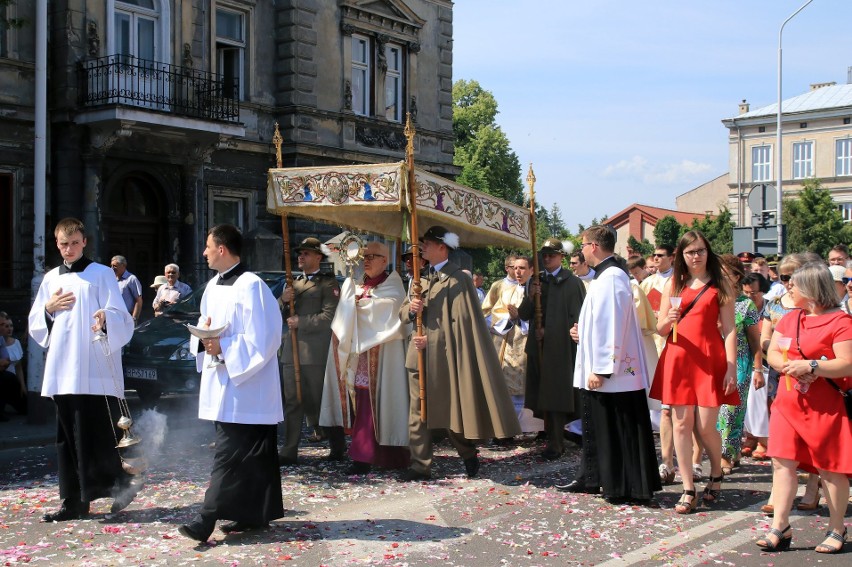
[127,80]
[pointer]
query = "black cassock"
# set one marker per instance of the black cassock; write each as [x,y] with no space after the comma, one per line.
[89,463]
[245,484]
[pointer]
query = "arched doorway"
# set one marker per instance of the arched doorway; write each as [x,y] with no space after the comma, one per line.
[134,224]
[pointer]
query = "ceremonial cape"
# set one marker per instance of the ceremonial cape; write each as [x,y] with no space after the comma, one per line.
[246,389]
[465,390]
[373,322]
[75,364]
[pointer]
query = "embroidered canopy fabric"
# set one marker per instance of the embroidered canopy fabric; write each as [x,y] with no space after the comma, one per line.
[374,198]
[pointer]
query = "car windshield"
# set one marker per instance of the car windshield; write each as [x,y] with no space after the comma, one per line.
[191,304]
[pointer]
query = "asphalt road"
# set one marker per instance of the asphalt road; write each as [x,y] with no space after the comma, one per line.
[510,515]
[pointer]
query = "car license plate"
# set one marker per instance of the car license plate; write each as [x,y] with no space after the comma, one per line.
[142,373]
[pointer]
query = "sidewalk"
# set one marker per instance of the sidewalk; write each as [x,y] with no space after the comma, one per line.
[17,433]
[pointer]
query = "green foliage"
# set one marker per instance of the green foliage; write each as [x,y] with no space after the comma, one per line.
[668,231]
[642,248]
[719,231]
[473,108]
[814,223]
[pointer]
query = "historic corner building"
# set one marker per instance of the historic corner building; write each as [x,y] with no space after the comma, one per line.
[161,115]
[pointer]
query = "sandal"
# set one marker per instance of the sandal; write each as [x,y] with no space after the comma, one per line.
[711,495]
[667,475]
[808,506]
[832,535]
[768,509]
[783,543]
[684,507]
[759,455]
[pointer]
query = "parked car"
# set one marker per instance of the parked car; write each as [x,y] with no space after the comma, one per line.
[157,360]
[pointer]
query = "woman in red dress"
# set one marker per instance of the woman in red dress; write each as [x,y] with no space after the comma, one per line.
[700,369]
[809,427]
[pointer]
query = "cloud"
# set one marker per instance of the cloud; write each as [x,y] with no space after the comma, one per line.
[638,167]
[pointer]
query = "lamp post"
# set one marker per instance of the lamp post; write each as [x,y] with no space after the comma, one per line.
[779,170]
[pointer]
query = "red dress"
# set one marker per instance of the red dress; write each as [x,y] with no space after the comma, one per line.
[813,428]
[691,371]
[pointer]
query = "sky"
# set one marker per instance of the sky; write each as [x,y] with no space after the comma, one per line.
[616,102]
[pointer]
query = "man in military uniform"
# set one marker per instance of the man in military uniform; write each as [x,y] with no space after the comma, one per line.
[549,387]
[316,295]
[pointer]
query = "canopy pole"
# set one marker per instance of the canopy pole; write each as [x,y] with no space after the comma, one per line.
[415,256]
[288,268]
[531,183]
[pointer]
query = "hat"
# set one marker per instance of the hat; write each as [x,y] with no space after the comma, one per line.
[837,273]
[158,281]
[441,235]
[314,245]
[745,257]
[556,246]
[772,260]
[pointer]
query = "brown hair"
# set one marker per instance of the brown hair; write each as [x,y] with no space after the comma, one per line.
[714,268]
[69,226]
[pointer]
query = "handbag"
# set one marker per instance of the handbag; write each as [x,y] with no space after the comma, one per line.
[847,395]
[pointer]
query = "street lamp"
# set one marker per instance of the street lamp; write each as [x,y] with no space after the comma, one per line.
[779,189]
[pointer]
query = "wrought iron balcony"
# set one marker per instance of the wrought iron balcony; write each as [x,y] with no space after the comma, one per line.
[140,83]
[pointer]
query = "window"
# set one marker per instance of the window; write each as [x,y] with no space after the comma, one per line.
[135,24]
[761,163]
[393,83]
[845,211]
[361,72]
[803,160]
[232,206]
[844,157]
[230,51]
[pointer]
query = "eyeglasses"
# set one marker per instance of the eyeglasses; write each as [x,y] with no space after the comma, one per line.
[372,257]
[694,253]
[785,277]
[661,255]
[845,280]
[586,244]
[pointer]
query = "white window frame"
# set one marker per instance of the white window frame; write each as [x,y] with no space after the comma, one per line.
[394,77]
[362,67]
[803,159]
[224,44]
[845,211]
[843,157]
[162,26]
[245,205]
[761,163]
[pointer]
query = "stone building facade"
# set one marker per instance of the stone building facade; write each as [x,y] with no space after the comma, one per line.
[161,114]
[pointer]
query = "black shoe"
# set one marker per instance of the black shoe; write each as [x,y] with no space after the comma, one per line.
[68,511]
[550,454]
[541,436]
[196,531]
[357,467]
[412,475]
[124,499]
[507,442]
[284,461]
[336,456]
[237,527]
[471,466]
[573,437]
[577,487]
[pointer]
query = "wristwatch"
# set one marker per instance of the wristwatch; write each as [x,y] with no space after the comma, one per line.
[814,365]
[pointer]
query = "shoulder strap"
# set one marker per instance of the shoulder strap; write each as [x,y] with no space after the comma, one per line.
[695,299]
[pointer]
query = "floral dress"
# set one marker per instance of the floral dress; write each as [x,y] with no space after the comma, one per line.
[731,418]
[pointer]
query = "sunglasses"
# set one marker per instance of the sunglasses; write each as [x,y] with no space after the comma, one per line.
[784,277]
[845,280]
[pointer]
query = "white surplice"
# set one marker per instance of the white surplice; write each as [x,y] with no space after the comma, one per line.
[610,337]
[75,364]
[246,389]
[373,321]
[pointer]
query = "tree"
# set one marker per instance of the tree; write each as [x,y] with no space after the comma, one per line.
[555,224]
[719,230]
[814,223]
[668,231]
[642,248]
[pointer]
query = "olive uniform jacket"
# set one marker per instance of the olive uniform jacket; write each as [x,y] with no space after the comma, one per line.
[316,301]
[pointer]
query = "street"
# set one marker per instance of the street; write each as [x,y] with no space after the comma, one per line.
[510,515]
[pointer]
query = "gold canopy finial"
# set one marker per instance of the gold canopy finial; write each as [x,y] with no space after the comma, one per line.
[531,178]
[277,140]
[409,135]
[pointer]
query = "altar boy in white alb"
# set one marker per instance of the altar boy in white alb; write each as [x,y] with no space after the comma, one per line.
[83,378]
[619,456]
[241,395]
